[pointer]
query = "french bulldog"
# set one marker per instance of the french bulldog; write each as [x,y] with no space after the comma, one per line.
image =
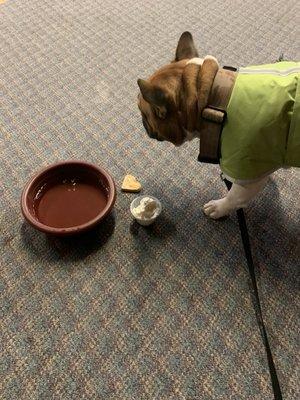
[261,132]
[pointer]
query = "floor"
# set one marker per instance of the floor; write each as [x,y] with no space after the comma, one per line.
[128,313]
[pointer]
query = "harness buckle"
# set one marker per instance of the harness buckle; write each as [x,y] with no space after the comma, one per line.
[214,114]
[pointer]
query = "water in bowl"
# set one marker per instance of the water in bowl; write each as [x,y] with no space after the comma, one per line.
[69,203]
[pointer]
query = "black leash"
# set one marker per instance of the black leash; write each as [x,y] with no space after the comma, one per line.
[255,298]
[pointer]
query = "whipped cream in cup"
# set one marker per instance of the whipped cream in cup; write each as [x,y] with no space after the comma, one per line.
[145,209]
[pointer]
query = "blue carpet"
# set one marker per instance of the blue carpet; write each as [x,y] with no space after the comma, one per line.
[128,313]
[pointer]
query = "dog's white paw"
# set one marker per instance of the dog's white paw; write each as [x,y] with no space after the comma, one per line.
[216,208]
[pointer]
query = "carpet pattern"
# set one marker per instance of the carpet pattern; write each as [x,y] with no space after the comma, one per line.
[127,313]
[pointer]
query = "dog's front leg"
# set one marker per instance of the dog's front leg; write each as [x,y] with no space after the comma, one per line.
[237,197]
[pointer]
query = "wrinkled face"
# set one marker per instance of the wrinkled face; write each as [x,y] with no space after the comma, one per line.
[161,128]
[159,100]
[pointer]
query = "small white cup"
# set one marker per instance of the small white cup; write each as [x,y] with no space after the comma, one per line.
[145,222]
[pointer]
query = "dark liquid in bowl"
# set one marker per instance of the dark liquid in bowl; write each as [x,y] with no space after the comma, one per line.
[69,204]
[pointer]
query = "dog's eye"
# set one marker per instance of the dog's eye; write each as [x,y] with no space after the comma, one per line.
[157,113]
[160,113]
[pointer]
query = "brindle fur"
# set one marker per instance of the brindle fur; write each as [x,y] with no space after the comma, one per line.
[172,99]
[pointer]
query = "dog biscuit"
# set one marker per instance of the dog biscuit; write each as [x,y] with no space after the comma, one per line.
[131,184]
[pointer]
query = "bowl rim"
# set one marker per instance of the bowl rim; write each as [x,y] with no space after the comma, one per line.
[74,229]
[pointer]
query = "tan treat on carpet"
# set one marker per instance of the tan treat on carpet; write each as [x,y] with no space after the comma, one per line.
[131,184]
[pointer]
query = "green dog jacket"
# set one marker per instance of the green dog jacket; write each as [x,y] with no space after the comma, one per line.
[262,129]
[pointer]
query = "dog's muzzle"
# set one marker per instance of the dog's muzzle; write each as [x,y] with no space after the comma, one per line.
[152,135]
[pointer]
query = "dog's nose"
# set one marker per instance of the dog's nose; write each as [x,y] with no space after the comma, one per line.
[156,137]
[152,135]
[145,125]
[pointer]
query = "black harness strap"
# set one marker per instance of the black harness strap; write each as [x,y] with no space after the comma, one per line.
[255,298]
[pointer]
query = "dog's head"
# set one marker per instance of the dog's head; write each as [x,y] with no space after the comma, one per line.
[160,96]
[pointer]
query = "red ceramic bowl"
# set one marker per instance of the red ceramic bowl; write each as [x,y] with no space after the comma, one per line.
[68,198]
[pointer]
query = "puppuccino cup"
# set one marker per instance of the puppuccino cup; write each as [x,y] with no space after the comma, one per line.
[145,209]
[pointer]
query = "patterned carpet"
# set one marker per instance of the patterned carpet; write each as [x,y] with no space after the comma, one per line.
[128,313]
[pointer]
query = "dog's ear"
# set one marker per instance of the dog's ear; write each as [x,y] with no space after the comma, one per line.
[155,96]
[185,47]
